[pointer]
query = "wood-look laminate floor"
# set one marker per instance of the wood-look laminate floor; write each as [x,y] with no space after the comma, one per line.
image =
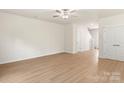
[64,67]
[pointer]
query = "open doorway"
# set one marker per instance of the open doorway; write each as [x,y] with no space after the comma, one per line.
[87,37]
[94,39]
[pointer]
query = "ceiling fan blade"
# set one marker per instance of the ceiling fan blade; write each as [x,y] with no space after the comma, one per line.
[58,11]
[55,15]
[72,11]
[65,9]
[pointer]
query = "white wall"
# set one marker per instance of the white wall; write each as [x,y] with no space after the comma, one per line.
[71,38]
[84,41]
[69,47]
[112,20]
[22,38]
[108,21]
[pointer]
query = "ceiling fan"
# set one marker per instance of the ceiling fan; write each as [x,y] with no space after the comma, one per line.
[64,13]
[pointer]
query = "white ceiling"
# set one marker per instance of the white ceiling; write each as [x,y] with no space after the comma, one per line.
[46,14]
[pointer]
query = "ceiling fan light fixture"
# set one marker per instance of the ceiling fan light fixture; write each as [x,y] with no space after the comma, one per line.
[65,16]
[64,13]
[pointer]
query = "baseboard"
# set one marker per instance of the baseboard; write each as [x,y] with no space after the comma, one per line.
[109,58]
[12,61]
[71,52]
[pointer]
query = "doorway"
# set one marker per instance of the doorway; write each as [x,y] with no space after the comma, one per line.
[94,40]
[87,37]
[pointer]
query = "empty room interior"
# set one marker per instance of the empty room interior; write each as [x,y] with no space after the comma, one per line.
[61,46]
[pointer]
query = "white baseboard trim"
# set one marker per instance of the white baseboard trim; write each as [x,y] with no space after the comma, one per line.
[103,57]
[69,52]
[21,59]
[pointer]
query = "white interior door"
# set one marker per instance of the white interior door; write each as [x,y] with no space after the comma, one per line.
[119,36]
[108,41]
[113,43]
